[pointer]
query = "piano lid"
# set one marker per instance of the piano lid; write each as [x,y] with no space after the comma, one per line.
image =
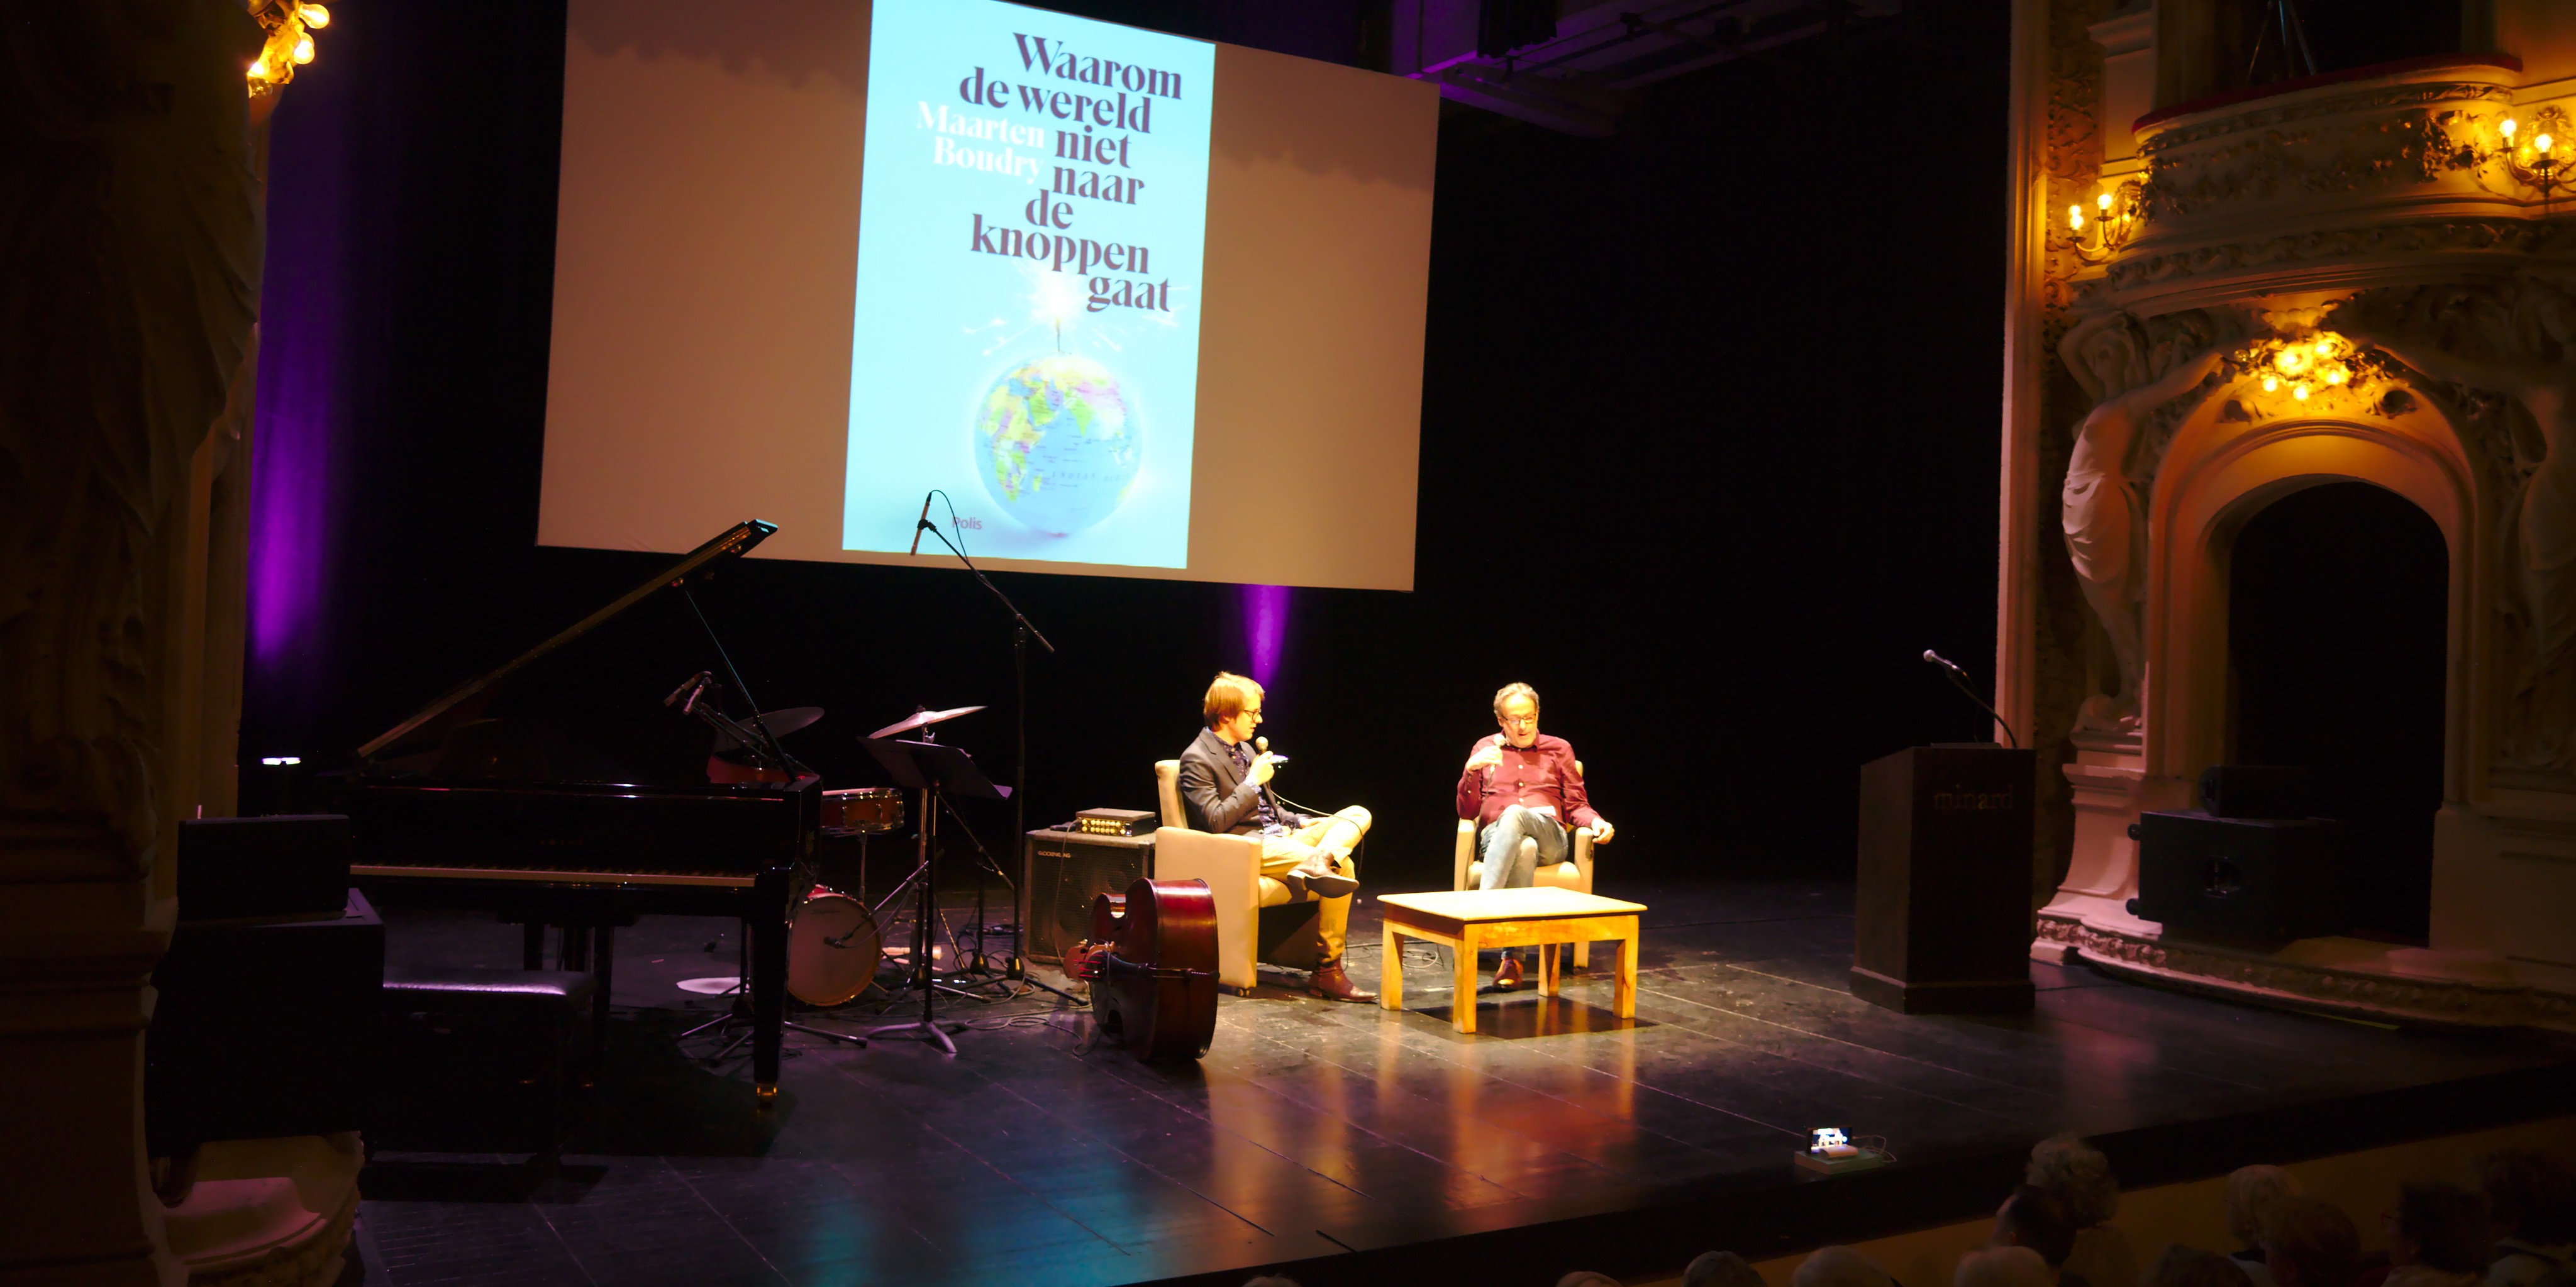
[732,543]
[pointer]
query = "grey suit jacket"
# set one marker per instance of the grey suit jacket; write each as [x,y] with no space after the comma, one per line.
[1215,794]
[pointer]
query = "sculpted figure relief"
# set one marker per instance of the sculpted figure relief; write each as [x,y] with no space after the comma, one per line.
[2103,507]
[2518,341]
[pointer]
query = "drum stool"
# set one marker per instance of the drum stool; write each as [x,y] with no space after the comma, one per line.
[544,1007]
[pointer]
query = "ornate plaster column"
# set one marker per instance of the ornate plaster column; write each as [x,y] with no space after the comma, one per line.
[2400,218]
[130,248]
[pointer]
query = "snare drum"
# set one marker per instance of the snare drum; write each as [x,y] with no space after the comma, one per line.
[863,809]
[833,947]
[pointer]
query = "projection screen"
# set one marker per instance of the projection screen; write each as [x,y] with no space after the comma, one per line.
[1134,304]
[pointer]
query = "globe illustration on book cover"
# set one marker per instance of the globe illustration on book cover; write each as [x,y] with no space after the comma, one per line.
[1059,448]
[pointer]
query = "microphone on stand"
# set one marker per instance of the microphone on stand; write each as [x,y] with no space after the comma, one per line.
[921,524]
[1959,678]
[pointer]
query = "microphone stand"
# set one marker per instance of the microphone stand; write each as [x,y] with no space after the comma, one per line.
[1021,633]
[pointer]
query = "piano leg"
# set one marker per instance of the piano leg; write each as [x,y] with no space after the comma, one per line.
[768,978]
[605,950]
[532,943]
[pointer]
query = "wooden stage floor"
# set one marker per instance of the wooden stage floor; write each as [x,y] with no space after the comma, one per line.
[1557,1137]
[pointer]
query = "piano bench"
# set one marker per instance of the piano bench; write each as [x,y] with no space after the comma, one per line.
[551,1002]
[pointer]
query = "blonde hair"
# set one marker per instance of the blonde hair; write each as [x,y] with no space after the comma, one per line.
[1227,695]
[1510,691]
[2249,1190]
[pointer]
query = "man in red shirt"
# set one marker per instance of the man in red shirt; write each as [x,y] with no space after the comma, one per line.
[1521,785]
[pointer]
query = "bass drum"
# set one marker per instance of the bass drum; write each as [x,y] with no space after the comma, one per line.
[833,947]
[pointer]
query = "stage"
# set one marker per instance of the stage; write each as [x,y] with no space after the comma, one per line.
[1557,1137]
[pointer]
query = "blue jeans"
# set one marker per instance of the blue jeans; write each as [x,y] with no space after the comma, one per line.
[1499,844]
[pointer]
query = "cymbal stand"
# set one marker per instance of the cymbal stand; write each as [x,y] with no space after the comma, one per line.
[924,932]
[739,1016]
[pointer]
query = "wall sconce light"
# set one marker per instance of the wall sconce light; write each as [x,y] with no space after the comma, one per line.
[2541,156]
[2104,231]
[290,25]
[2323,367]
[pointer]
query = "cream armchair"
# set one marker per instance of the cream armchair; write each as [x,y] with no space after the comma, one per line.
[1231,866]
[1574,873]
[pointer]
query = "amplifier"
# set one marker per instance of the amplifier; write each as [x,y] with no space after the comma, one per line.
[2268,879]
[1114,822]
[1064,871]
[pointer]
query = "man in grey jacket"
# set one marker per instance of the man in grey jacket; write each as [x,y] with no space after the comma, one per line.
[1221,786]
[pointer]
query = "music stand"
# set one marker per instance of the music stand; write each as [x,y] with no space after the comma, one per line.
[936,771]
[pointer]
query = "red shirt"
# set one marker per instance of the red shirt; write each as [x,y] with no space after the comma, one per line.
[1543,774]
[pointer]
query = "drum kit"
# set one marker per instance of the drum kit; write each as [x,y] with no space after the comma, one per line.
[835,941]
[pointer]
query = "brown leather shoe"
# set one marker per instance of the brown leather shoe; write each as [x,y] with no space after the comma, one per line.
[1507,973]
[1333,983]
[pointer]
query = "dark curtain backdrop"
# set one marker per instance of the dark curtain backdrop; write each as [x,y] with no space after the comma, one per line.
[1709,446]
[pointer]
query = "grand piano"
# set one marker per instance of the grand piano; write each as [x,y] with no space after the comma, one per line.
[432,825]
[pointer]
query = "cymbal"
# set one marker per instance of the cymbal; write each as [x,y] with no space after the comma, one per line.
[921,719]
[781,723]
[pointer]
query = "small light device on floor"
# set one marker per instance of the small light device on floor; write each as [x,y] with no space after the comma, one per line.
[1831,1150]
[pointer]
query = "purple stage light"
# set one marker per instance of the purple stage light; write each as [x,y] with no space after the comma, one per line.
[1265,627]
[302,323]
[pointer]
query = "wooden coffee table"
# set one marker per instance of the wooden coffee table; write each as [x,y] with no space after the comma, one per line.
[1469,919]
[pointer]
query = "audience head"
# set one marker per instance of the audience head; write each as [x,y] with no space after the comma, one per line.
[2033,1217]
[2531,1196]
[2308,1242]
[1270,1280]
[1838,1267]
[2440,1226]
[2080,1177]
[2003,1267]
[1587,1278]
[2249,1190]
[1720,1269]
[2183,1266]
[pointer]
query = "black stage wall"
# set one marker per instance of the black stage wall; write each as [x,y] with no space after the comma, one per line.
[1709,456]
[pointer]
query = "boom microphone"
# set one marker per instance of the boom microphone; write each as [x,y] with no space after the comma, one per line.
[921,524]
[1959,679]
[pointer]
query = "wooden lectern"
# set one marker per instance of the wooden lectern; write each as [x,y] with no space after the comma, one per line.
[1943,919]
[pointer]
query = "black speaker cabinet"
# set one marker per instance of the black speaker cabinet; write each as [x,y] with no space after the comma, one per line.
[264,1029]
[1064,871]
[2269,879]
[1942,924]
[273,868]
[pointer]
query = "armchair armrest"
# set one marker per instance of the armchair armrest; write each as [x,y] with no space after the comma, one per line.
[1466,853]
[1231,866]
[1583,854]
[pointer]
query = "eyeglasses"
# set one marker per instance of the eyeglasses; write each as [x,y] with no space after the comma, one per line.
[1518,719]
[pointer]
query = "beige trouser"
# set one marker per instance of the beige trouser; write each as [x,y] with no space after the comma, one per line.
[1334,835]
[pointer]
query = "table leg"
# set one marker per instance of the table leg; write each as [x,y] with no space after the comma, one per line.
[1390,973]
[1547,969]
[1624,997]
[1462,1002]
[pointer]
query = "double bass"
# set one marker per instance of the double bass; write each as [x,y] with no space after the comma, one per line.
[1151,963]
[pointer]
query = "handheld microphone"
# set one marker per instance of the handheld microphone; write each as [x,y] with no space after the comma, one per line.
[1262,745]
[1944,663]
[921,524]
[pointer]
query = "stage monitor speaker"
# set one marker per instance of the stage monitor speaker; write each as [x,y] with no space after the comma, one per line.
[2264,879]
[1942,924]
[1064,871]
